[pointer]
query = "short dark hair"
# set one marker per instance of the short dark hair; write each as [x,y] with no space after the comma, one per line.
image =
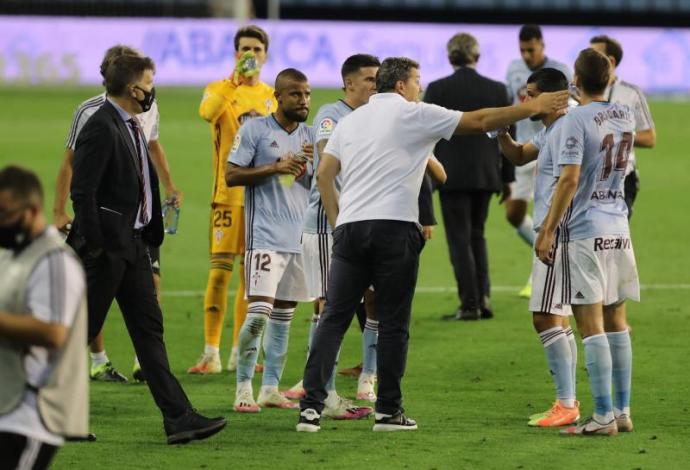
[251,31]
[594,71]
[355,62]
[548,80]
[23,184]
[612,47]
[529,32]
[124,70]
[114,52]
[392,71]
[289,74]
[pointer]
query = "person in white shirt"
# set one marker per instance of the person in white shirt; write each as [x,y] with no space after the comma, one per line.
[36,330]
[381,150]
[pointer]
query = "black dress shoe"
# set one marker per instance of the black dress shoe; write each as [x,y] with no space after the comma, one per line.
[463,315]
[487,312]
[191,426]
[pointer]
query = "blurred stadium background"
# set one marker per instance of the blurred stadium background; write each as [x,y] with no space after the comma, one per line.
[470,388]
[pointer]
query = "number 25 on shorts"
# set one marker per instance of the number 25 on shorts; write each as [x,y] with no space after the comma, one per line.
[222,218]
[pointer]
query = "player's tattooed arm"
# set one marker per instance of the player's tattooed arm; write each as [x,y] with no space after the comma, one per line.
[518,154]
[329,167]
[240,176]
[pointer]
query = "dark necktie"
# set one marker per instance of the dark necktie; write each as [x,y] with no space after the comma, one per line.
[136,130]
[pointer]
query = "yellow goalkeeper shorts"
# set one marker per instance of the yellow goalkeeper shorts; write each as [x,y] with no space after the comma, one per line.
[226,230]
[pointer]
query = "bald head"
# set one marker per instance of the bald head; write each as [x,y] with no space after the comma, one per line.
[288,78]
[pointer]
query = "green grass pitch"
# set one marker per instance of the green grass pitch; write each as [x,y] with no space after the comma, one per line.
[470,386]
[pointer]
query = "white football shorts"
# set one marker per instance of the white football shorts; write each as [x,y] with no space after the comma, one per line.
[276,275]
[317,249]
[523,186]
[601,269]
[548,284]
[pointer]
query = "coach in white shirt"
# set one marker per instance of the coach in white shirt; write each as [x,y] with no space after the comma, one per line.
[381,150]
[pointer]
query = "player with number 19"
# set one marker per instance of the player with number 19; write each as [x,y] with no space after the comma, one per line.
[596,140]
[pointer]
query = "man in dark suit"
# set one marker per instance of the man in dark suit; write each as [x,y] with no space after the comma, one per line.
[117,216]
[475,171]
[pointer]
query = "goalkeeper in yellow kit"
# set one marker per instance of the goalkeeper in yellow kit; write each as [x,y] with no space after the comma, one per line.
[226,105]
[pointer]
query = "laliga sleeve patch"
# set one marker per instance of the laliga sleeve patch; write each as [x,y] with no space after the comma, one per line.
[236,143]
[325,127]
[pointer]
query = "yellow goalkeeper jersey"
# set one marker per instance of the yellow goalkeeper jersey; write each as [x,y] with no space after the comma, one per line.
[226,107]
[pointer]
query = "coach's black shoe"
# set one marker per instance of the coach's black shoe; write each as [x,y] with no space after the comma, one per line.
[309,421]
[191,426]
[464,315]
[396,422]
[487,312]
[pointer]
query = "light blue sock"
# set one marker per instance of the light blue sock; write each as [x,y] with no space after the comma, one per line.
[526,230]
[370,337]
[276,345]
[573,353]
[598,362]
[250,339]
[559,358]
[621,358]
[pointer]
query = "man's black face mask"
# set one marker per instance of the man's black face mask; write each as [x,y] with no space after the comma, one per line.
[149,97]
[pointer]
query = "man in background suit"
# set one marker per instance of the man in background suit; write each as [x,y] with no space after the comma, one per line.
[475,171]
[117,215]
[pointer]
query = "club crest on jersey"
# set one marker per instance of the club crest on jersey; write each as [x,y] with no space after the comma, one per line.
[570,143]
[326,126]
[269,104]
[236,143]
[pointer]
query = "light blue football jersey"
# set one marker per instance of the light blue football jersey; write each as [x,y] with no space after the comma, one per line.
[516,81]
[324,125]
[598,136]
[273,211]
[548,141]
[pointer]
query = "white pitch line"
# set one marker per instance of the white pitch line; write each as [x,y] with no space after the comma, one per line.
[435,289]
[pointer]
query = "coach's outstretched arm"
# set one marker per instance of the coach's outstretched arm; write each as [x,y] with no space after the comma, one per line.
[329,167]
[488,119]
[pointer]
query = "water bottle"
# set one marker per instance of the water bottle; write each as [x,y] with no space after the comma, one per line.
[289,180]
[171,216]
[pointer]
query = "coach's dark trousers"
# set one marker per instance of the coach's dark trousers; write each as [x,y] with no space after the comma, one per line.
[126,276]
[385,254]
[464,216]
